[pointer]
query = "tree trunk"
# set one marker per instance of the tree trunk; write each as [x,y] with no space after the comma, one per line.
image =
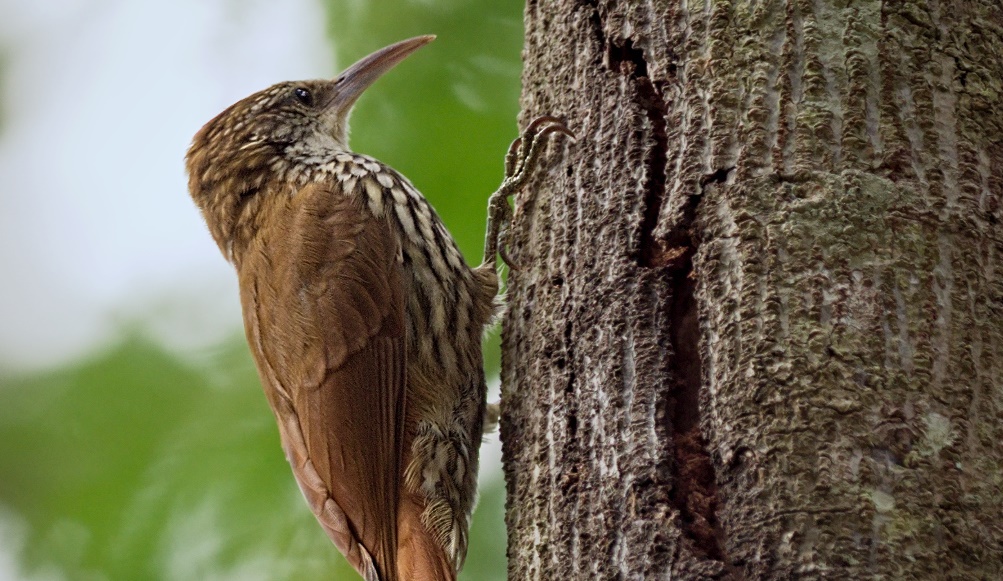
[757,328]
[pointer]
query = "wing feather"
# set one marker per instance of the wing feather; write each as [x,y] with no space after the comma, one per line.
[324,312]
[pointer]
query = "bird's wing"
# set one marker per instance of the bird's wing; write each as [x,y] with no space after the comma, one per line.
[323,296]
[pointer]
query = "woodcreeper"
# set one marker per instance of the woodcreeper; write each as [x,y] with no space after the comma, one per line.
[363,318]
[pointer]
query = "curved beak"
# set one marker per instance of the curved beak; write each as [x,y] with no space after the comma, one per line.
[350,84]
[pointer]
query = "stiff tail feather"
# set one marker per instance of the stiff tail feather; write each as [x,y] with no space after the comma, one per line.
[419,556]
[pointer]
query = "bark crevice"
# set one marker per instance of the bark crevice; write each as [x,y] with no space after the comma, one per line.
[694,492]
[652,251]
[622,56]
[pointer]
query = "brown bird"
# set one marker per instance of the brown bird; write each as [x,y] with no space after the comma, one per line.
[361,314]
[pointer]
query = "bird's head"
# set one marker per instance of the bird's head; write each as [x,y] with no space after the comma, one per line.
[274,132]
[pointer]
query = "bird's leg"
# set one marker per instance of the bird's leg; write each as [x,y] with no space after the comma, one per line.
[520,160]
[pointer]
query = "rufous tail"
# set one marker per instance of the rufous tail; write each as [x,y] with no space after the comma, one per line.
[419,556]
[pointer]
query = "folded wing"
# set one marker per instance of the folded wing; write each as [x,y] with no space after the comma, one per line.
[324,313]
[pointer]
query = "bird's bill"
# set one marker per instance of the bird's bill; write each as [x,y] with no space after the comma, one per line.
[350,84]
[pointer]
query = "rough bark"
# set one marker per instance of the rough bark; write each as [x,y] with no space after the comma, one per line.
[757,332]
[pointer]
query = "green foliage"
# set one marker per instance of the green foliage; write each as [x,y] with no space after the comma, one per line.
[139,464]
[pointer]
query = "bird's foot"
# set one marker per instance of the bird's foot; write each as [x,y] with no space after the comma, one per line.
[522,157]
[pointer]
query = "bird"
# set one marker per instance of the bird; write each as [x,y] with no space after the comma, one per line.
[362,316]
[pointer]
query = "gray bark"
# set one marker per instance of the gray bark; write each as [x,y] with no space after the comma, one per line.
[757,332]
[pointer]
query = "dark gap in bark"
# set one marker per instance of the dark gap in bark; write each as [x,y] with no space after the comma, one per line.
[624,57]
[652,250]
[694,492]
[684,337]
[694,484]
[621,52]
[694,481]
[719,176]
[675,249]
[571,402]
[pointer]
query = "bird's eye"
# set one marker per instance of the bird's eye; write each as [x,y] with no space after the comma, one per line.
[303,96]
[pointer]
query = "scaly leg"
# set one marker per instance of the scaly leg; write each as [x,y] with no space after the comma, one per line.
[520,160]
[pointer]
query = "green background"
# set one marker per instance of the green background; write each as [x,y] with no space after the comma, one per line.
[138,464]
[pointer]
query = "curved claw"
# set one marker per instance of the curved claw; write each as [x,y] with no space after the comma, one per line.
[536,123]
[520,151]
[503,231]
[519,161]
[556,124]
[507,258]
[558,128]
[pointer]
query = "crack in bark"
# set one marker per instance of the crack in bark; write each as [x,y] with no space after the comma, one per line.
[694,482]
[625,58]
[622,55]
[652,250]
[694,478]
[694,491]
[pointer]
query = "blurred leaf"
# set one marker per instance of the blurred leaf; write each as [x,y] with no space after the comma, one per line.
[135,466]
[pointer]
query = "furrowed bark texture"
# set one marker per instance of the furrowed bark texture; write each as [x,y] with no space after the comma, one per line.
[757,328]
